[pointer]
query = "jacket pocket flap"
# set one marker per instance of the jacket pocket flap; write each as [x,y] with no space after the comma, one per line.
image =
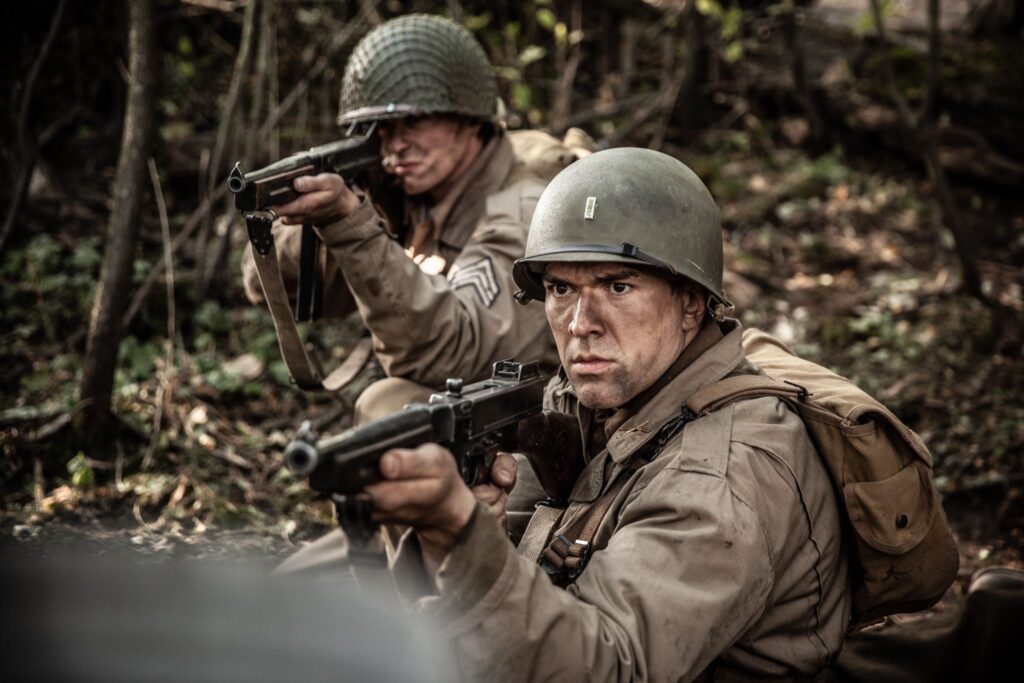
[892,515]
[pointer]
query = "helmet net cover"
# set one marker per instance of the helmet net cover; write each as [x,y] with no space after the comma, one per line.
[415,65]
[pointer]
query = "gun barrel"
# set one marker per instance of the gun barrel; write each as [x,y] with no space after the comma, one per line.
[301,457]
[236,181]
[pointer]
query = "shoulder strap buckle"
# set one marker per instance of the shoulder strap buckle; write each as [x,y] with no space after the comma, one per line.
[564,559]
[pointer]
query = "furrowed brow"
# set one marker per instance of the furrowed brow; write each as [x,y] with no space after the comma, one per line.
[618,276]
[548,280]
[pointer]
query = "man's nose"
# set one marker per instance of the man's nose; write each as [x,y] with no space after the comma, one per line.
[395,142]
[586,319]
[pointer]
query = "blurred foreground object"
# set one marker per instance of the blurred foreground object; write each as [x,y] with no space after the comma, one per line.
[74,618]
[979,641]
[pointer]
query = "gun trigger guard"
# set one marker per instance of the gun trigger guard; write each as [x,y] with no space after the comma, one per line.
[259,226]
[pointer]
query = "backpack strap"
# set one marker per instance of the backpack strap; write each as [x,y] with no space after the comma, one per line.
[568,553]
[739,387]
[543,521]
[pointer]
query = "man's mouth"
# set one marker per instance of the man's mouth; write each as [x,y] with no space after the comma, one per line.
[393,164]
[589,364]
[405,167]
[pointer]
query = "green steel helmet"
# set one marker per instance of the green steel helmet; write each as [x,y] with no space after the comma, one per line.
[415,65]
[627,205]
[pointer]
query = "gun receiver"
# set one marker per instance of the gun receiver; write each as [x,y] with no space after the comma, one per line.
[356,159]
[473,422]
[272,185]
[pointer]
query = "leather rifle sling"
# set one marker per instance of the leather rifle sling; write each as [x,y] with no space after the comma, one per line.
[268,268]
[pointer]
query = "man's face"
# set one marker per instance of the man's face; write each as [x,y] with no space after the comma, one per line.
[618,329]
[428,153]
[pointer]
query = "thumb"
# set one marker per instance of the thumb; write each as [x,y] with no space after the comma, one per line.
[504,470]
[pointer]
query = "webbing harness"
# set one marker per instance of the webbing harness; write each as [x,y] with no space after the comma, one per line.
[567,554]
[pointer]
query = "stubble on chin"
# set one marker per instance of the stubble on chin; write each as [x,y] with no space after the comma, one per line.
[609,392]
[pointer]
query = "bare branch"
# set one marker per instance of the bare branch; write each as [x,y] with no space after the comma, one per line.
[317,66]
[33,75]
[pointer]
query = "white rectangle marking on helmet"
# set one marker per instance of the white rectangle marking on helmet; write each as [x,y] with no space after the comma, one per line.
[588,212]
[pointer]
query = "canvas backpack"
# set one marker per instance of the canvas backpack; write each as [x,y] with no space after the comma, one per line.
[904,554]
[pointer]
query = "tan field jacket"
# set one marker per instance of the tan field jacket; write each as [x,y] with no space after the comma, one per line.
[721,559]
[450,312]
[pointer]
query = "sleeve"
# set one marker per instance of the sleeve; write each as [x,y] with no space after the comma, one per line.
[426,327]
[337,299]
[685,574]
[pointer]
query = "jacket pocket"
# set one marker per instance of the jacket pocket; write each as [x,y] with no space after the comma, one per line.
[892,515]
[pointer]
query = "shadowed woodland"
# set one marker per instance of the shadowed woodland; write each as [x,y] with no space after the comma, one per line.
[868,157]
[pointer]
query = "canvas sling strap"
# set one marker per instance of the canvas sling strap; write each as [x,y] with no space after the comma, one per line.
[306,375]
[565,557]
[545,518]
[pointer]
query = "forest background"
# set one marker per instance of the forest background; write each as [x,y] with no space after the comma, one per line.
[868,157]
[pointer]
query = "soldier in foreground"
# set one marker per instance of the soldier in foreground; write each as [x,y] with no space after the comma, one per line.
[435,295]
[689,546]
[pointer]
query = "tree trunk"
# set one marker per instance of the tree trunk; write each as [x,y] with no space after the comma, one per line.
[690,109]
[93,416]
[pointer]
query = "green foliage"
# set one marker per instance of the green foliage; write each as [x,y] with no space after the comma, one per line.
[522,96]
[86,256]
[136,359]
[477,23]
[213,319]
[546,18]
[531,54]
[82,475]
[279,371]
[44,252]
[866,20]
[729,21]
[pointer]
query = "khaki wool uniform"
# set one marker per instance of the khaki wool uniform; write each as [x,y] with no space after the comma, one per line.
[721,559]
[442,305]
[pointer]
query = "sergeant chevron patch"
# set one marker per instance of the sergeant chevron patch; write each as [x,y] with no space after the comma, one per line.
[480,276]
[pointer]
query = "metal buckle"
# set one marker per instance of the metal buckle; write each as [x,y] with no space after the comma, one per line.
[259,226]
[564,575]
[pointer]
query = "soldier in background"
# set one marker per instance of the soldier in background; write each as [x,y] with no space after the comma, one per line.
[437,301]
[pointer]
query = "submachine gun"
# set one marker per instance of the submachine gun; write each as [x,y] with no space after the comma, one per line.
[473,422]
[356,158]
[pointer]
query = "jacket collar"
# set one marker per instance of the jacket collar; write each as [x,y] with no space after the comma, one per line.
[716,363]
[708,368]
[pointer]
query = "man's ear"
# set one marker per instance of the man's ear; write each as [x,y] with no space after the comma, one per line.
[694,307]
[472,126]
